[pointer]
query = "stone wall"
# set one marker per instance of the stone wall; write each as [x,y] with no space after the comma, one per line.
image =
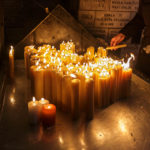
[105,18]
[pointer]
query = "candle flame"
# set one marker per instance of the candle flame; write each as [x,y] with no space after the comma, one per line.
[11,50]
[127,64]
[33,99]
[48,106]
[104,73]
[87,76]
[39,67]
[73,75]
[37,63]
[42,99]
[44,61]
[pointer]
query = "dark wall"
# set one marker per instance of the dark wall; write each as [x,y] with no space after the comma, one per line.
[1,28]
[21,16]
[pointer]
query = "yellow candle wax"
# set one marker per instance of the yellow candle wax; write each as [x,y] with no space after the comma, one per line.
[66,96]
[32,68]
[95,78]
[48,83]
[126,81]
[103,89]
[75,110]
[59,88]
[81,91]
[62,46]
[89,90]
[116,74]
[38,80]
[54,86]
[90,50]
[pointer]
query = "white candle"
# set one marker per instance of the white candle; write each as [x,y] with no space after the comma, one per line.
[43,101]
[34,111]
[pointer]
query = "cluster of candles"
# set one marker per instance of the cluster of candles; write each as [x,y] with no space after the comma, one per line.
[41,111]
[76,83]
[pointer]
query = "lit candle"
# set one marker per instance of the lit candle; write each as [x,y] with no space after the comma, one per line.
[126,81]
[104,88]
[34,111]
[54,86]
[66,95]
[59,88]
[11,62]
[62,46]
[126,78]
[101,52]
[95,77]
[116,74]
[47,83]
[48,115]
[75,84]
[81,90]
[38,81]
[43,101]
[89,90]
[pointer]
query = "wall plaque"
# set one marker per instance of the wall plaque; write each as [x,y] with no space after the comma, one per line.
[87,18]
[106,15]
[93,4]
[124,5]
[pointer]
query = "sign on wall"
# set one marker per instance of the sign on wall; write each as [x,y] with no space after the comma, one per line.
[105,18]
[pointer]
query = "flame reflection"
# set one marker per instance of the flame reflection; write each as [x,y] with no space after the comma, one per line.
[12,100]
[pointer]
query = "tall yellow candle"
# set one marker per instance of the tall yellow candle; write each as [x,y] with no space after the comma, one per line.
[38,81]
[54,86]
[75,110]
[126,81]
[59,88]
[95,78]
[89,90]
[66,97]
[11,62]
[47,83]
[116,74]
[82,90]
[104,89]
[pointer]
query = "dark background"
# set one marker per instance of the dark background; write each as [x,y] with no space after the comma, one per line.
[21,16]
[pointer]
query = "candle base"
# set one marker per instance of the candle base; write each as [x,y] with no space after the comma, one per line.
[48,122]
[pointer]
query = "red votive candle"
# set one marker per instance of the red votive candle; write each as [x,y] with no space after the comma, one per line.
[48,115]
